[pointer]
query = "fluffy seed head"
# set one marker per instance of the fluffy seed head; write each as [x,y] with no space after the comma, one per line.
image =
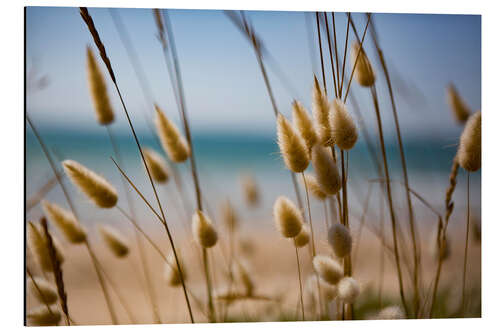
[172,141]
[65,221]
[302,239]
[287,217]
[304,125]
[364,72]
[348,289]
[98,91]
[314,188]
[328,269]
[292,146]
[391,312]
[250,190]
[321,111]
[114,240]
[41,316]
[95,187]
[340,240]
[38,245]
[156,165]
[229,216]
[203,230]
[172,274]
[46,291]
[327,173]
[328,291]
[344,131]
[469,149]
[458,106]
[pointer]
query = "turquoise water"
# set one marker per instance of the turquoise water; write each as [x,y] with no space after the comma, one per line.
[221,158]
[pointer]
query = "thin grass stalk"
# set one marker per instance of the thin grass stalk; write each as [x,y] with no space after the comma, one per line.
[335,86]
[382,256]
[442,229]
[300,283]
[90,24]
[366,205]
[345,52]
[462,307]
[321,51]
[336,51]
[147,274]
[349,313]
[411,215]
[157,248]
[148,96]
[73,210]
[257,50]
[313,246]
[389,197]
[357,57]
[194,172]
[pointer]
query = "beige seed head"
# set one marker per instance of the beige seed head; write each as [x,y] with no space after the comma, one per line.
[156,165]
[391,312]
[304,125]
[328,291]
[65,221]
[38,245]
[174,144]
[348,289]
[250,190]
[344,131]
[302,239]
[41,316]
[287,217]
[328,269]
[229,216]
[469,149]
[327,173]
[95,187]
[321,114]
[203,230]
[98,91]
[172,274]
[364,72]
[458,106]
[115,241]
[340,240]
[46,291]
[314,188]
[292,146]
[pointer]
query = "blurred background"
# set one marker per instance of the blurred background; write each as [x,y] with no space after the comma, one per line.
[229,111]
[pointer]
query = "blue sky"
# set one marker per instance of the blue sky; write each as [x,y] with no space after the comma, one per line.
[224,88]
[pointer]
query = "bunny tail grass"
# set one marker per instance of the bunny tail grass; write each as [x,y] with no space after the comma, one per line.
[157,166]
[98,91]
[114,240]
[65,221]
[328,269]
[321,114]
[327,173]
[304,125]
[459,108]
[172,141]
[203,230]
[364,72]
[344,131]
[287,216]
[469,149]
[38,245]
[95,187]
[292,146]
[43,316]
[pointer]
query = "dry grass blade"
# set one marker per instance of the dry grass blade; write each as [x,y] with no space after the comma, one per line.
[56,268]
[93,31]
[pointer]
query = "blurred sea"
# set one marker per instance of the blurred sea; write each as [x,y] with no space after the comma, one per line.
[222,158]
